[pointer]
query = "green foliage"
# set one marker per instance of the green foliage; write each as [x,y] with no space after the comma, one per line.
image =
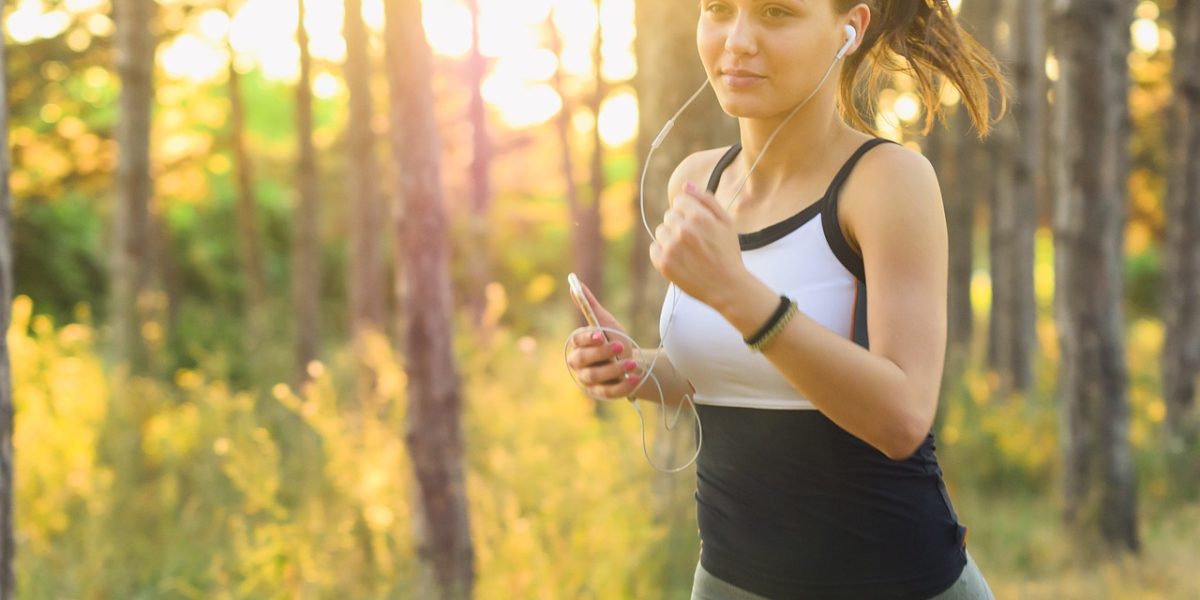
[58,252]
[137,488]
[189,488]
[559,501]
[1144,281]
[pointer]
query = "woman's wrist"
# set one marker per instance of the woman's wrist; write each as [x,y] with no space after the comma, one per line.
[771,329]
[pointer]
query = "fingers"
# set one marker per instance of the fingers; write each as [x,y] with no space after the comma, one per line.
[603,367]
[687,218]
[706,200]
[672,218]
[586,336]
[662,233]
[619,390]
[595,353]
[607,373]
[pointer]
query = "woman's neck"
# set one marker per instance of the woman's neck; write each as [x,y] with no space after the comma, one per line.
[802,145]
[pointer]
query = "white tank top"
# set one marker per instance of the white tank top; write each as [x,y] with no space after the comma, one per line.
[805,257]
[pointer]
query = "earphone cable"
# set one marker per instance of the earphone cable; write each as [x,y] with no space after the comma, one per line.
[649,370]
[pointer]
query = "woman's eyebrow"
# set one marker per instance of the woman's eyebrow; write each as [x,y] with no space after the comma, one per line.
[800,3]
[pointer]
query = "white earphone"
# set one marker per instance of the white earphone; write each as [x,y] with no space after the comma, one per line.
[851,37]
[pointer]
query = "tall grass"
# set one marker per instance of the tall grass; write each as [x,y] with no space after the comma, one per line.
[187,488]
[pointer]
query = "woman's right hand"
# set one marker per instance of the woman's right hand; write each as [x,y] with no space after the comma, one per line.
[606,368]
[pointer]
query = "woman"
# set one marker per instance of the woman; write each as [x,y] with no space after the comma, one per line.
[817,476]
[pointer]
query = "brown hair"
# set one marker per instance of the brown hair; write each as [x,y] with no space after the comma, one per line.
[924,39]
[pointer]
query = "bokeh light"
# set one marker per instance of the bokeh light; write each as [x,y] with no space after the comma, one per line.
[1145,36]
[262,34]
[619,119]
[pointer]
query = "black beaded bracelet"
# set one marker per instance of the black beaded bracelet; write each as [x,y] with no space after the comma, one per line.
[774,331]
[784,303]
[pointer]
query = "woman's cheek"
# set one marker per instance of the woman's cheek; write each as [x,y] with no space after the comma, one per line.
[709,44]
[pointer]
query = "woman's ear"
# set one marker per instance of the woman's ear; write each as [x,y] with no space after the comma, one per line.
[858,17]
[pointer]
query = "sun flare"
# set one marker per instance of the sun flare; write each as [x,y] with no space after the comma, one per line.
[514,36]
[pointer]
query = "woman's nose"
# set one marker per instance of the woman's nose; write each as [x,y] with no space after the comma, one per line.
[740,38]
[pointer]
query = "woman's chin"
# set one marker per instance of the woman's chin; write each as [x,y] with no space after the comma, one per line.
[740,109]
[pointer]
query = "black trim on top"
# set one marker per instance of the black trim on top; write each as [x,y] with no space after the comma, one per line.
[841,249]
[861,335]
[833,230]
[770,233]
[722,164]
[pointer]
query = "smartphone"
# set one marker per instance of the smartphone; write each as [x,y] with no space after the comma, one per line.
[582,303]
[585,307]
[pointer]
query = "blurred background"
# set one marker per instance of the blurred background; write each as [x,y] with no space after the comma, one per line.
[288,299]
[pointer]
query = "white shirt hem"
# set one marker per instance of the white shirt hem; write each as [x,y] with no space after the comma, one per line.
[763,403]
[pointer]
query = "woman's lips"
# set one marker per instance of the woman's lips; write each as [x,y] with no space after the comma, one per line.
[741,79]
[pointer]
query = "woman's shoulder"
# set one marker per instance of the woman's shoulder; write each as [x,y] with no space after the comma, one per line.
[888,178]
[887,165]
[696,167]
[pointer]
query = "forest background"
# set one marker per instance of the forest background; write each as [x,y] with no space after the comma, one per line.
[288,297]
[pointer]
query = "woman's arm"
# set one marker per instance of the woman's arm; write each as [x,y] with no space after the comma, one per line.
[674,385]
[887,396]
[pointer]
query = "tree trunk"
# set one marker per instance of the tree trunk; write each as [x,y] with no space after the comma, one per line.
[8,579]
[305,257]
[1013,336]
[433,434]
[1181,255]
[131,214]
[591,239]
[973,193]
[668,73]
[946,148]
[255,295]
[164,309]
[1091,111]
[575,207]
[481,164]
[367,269]
[1010,252]
[1030,182]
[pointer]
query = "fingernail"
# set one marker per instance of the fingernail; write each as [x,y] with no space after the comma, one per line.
[596,337]
[634,379]
[617,347]
[630,365]
[689,187]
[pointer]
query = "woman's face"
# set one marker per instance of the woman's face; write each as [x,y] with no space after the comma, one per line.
[763,57]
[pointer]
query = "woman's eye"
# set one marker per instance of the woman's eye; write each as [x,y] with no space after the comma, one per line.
[717,8]
[776,12]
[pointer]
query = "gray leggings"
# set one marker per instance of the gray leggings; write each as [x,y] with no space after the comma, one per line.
[970,586]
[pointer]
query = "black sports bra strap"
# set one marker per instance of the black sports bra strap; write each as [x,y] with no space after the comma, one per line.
[850,162]
[833,230]
[722,164]
[837,182]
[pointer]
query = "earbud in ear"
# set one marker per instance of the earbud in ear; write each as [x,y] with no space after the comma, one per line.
[851,36]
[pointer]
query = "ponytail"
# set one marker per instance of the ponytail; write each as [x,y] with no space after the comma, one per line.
[924,39]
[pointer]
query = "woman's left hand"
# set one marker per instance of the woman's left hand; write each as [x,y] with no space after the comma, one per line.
[697,249]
